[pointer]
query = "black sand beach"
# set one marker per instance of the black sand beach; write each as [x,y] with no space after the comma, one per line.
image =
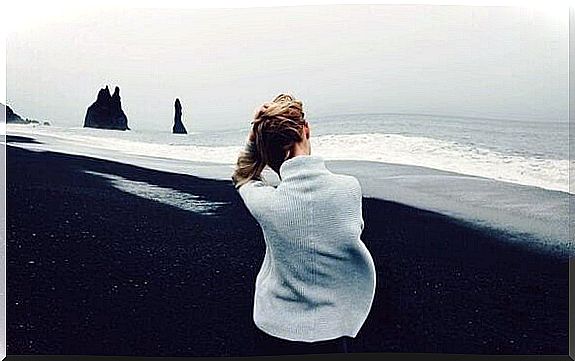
[92,269]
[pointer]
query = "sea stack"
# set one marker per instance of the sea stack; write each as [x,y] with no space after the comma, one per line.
[106,112]
[178,127]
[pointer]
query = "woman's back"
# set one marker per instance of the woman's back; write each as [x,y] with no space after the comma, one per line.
[317,281]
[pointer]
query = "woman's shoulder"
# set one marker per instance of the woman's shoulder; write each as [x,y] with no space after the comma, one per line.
[347,182]
[255,185]
[255,191]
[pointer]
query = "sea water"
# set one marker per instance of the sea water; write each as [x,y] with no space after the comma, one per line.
[507,174]
[527,152]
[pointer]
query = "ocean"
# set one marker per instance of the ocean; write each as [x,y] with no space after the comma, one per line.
[533,153]
[508,175]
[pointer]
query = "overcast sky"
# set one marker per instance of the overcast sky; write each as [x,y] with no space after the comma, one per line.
[474,61]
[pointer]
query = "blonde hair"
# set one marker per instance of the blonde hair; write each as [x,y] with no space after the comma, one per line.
[276,127]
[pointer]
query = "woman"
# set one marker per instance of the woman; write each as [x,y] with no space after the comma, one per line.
[317,281]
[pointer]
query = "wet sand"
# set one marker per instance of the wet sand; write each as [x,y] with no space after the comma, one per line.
[100,265]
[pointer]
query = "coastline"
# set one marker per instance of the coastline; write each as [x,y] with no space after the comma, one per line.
[531,215]
[89,263]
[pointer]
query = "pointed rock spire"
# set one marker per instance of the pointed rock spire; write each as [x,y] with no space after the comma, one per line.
[178,127]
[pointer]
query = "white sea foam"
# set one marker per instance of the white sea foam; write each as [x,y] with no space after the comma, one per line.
[448,156]
[390,148]
[529,211]
[172,197]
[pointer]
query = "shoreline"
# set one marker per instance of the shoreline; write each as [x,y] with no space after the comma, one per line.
[70,140]
[89,263]
[539,216]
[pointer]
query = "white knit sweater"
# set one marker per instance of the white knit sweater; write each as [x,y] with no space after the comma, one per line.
[317,280]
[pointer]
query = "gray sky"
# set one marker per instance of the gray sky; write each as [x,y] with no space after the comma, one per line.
[474,61]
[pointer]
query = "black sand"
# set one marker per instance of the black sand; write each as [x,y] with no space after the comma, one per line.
[94,270]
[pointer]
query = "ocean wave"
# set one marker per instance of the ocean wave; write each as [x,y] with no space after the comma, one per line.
[443,155]
[460,158]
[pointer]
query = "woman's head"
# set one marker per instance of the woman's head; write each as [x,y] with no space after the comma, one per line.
[279,131]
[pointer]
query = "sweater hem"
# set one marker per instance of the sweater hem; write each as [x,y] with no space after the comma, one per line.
[303,338]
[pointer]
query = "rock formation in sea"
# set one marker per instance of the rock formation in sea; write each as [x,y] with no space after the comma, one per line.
[9,116]
[178,127]
[106,112]
[12,117]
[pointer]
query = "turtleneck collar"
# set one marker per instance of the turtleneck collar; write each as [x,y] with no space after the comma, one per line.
[300,162]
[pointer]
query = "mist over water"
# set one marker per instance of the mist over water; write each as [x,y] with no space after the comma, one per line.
[464,61]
